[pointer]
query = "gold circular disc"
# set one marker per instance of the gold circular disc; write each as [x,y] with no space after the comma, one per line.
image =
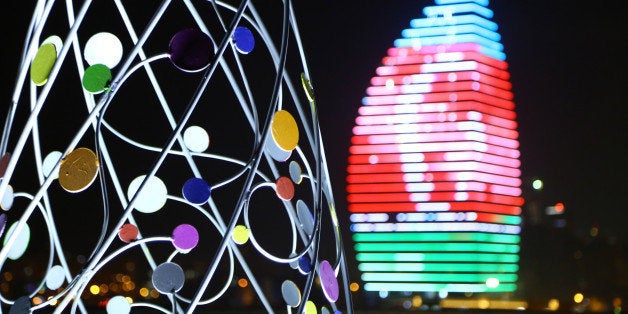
[78,170]
[285,130]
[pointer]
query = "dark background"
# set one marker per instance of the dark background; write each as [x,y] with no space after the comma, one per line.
[567,65]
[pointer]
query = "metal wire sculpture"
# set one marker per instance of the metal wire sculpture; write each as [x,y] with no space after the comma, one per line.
[119,141]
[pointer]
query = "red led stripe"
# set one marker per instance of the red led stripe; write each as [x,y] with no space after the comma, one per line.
[460,176]
[438,87]
[434,147]
[432,187]
[445,57]
[442,67]
[438,97]
[441,77]
[437,137]
[434,197]
[451,206]
[407,51]
[434,157]
[439,107]
[434,127]
[459,116]
[435,166]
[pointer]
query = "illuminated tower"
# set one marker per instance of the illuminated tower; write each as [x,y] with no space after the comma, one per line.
[433,175]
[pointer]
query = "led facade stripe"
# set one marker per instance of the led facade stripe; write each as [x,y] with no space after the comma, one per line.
[433,179]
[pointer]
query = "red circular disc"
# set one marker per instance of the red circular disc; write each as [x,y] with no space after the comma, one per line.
[284,188]
[128,233]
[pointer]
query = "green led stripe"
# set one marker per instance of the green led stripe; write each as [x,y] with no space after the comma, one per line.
[386,286]
[439,267]
[437,247]
[436,237]
[437,257]
[509,220]
[438,277]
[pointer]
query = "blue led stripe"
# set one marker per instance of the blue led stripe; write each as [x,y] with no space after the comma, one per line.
[451,30]
[480,2]
[447,10]
[454,20]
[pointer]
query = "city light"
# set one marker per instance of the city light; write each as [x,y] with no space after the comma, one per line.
[537,184]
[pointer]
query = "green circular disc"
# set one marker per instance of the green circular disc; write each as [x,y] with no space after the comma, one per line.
[42,63]
[96,78]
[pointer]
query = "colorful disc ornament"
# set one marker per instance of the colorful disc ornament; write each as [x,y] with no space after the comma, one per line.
[190,50]
[78,170]
[244,40]
[196,191]
[42,63]
[185,237]
[96,78]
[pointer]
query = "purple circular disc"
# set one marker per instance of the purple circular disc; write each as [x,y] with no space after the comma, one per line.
[328,281]
[304,265]
[190,50]
[196,191]
[244,40]
[184,237]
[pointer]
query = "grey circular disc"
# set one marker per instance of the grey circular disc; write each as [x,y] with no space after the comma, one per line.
[168,278]
[21,306]
[291,293]
[305,217]
[295,172]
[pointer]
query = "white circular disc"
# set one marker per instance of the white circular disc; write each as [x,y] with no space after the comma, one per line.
[21,242]
[305,217]
[56,41]
[48,166]
[7,199]
[55,277]
[275,151]
[104,48]
[196,139]
[152,197]
[118,305]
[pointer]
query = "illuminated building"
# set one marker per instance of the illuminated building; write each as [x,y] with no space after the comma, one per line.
[433,176]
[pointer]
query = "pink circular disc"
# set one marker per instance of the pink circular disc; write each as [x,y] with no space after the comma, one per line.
[128,233]
[185,237]
[328,281]
[284,188]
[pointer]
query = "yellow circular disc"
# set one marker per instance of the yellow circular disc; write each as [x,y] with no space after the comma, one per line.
[240,234]
[310,307]
[285,130]
[78,170]
[42,63]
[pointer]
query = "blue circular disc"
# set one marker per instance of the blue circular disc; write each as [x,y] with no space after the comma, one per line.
[304,265]
[244,40]
[196,191]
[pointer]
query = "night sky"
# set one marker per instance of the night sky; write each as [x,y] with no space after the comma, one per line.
[567,63]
